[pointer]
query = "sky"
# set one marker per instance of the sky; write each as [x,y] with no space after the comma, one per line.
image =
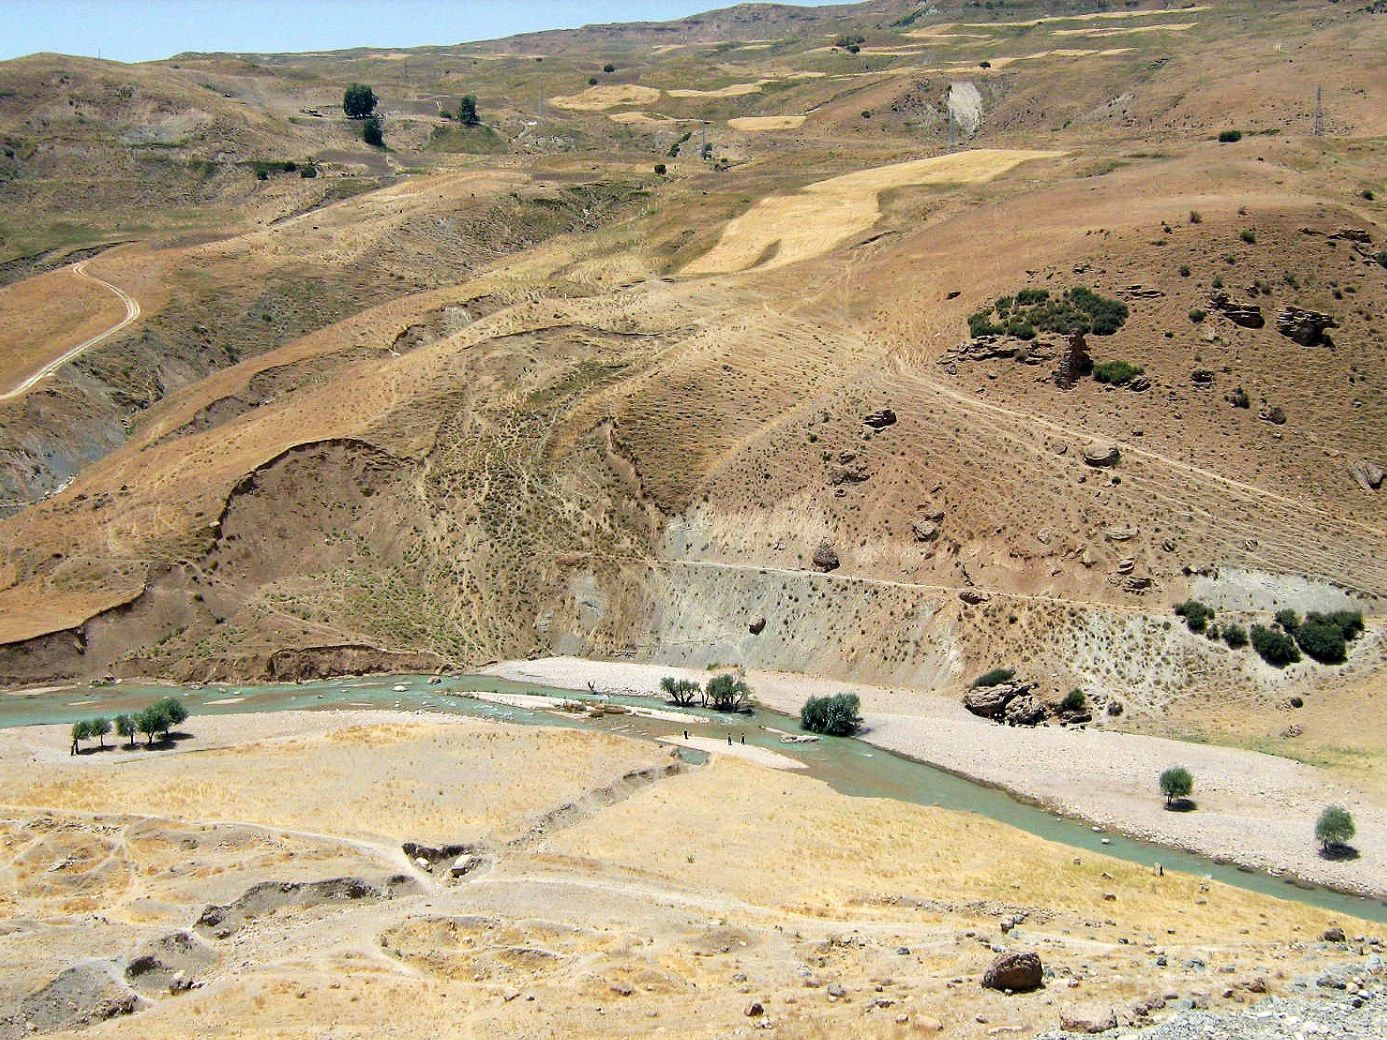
[146,30]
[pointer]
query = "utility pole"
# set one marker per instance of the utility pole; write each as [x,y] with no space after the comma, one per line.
[1319,111]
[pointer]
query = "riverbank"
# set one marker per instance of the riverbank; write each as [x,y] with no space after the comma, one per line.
[1252,809]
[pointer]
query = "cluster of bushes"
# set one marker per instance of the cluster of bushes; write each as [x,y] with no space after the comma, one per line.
[1321,637]
[264,169]
[852,44]
[1229,136]
[836,715]
[994,678]
[1030,311]
[1116,373]
[722,692]
[156,720]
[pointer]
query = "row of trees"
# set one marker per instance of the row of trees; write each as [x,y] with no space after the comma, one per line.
[722,693]
[1333,829]
[156,720]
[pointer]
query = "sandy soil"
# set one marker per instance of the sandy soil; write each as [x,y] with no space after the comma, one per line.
[1254,809]
[759,123]
[746,752]
[784,229]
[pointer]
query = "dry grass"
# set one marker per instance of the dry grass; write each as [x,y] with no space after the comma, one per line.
[764,123]
[595,99]
[42,317]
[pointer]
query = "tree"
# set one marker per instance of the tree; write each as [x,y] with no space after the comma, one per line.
[150,721]
[125,726]
[1176,782]
[172,712]
[680,691]
[1276,648]
[373,132]
[359,101]
[98,728]
[836,715]
[80,732]
[1322,640]
[1334,827]
[728,693]
[467,111]
[609,67]
[661,169]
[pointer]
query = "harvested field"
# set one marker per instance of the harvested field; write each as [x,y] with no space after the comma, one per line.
[595,99]
[764,123]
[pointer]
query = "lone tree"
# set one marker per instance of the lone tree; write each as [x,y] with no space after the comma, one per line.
[359,101]
[1334,827]
[1176,782]
[728,693]
[467,111]
[680,691]
[373,132]
[835,715]
[125,726]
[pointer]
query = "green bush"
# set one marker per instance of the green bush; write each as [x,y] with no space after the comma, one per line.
[1322,642]
[836,715]
[373,132]
[1074,700]
[1235,636]
[1276,648]
[1198,314]
[1117,373]
[1288,619]
[727,693]
[1230,136]
[1036,310]
[1249,236]
[1197,615]
[1196,217]
[994,678]
[661,169]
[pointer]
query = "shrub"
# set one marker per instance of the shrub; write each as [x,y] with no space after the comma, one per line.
[1117,373]
[1036,310]
[994,678]
[609,67]
[1184,270]
[1230,136]
[373,132]
[728,693]
[1239,399]
[1235,636]
[467,111]
[1074,700]
[661,169]
[1334,827]
[1288,619]
[308,171]
[1369,195]
[1197,615]
[835,715]
[1275,648]
[1322,642]
[1381,258]
[1196,217]
[1198,314]
[1176,782]
[1249,236]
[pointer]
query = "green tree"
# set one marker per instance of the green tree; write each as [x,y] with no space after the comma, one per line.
[680,691]
[373,132]
[98,728]
[80,732]
[467,111]
[1276,648]
[728,693]
[1334,827]
[837,715]
[150,721]
[125,726]
[359,101]
[1322,640]
[1176,782]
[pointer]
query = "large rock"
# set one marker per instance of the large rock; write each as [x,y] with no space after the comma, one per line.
[1368,474]
[1248,315]
[1101,454]
[1305,327]
[991,701]
[880,420]
[1018,972]
[1088,1019]
[826,557]
[1025,710]
[925,530]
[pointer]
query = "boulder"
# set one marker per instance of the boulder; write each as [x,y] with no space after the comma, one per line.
[1087,1019]
[881,419]
[926,530]
[756,626]
[1025,710]
[464,864]
[991,702]
[1334,934]
[1247,315]
[1272,414]
[1368,474]
[974,596]
[1101,454]
[1305,327]
[1018,972]
[853,472]
[1120,534]
[826,558]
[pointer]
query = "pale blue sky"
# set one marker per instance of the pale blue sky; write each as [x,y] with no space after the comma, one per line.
[144,30]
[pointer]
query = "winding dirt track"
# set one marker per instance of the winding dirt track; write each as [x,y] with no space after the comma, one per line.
[132,312]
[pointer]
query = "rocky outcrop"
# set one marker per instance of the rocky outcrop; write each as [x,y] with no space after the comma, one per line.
[1088,1019]
[295,664]
[991,702]
[826,558]
[1305,327]
[1247,315]
[756,625]
[974,596]
[924,530]
[1101,454]
[991,348]
[881,419]
[1018,972]
[1368,474]
[1025,710]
